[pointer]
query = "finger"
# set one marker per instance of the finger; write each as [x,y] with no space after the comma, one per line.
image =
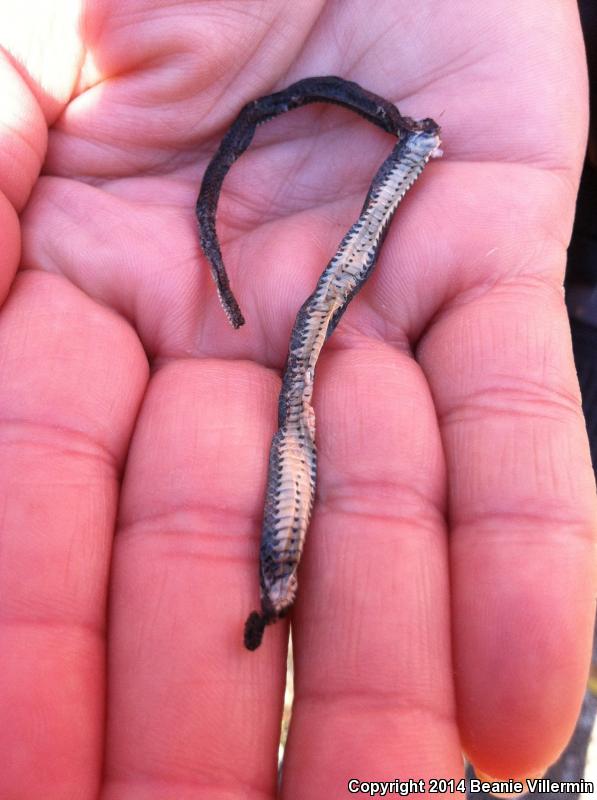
[71,376]
[34,90]
[40,57]
[373,676]
[23,135]
[522,509]
[192,713]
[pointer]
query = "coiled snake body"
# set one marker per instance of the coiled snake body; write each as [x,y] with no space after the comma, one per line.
[293,461]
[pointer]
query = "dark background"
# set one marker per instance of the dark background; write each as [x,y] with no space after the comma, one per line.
[581,276]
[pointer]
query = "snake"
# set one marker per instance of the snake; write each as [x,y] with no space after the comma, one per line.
[292,469]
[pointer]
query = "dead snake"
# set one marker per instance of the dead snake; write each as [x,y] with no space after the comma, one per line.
[293,462]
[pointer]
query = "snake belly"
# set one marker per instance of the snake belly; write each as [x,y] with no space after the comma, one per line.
[293,458]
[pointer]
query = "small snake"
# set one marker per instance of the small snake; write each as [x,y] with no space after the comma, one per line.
[293,461]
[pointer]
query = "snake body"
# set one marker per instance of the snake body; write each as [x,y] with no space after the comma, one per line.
[293,460]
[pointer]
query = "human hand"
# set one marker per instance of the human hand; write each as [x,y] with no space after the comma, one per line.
[397,665]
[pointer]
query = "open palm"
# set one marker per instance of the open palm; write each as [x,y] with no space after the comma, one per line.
[446,596]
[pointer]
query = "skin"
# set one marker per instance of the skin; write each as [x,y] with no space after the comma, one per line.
[447,590]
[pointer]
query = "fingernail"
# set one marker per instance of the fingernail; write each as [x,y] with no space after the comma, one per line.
[511,787]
